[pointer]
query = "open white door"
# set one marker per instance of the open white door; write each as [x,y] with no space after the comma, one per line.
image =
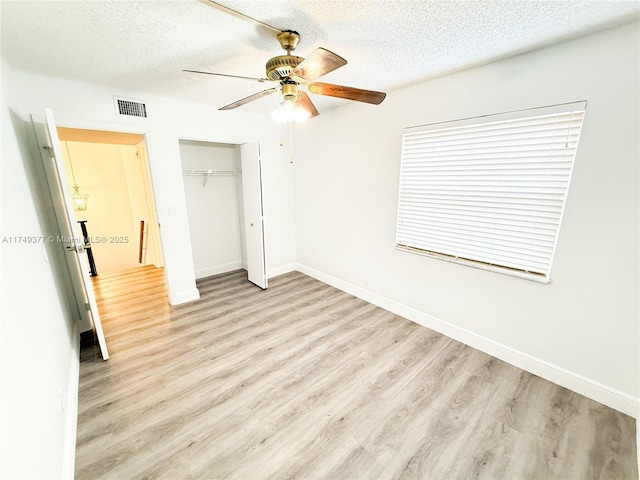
[72,240]
[253,213]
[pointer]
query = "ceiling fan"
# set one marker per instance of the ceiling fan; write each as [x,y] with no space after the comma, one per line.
[290,73]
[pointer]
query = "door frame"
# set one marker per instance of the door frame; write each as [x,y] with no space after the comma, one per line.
[122,128]
[241,207]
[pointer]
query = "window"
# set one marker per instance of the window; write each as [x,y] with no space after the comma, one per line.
[490,191]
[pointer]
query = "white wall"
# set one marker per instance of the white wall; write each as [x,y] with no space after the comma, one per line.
[87,106]
[213,207]
[582,329]
[38,330]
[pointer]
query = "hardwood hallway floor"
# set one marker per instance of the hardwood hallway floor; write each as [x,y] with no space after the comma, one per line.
[305,381]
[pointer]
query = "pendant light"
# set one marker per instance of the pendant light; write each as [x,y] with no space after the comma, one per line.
[80,200]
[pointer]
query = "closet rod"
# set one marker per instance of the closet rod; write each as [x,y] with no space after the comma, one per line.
[207,173]
[203,171]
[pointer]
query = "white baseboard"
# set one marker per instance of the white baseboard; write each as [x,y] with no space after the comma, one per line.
[281,270]
[184,297]
[218,269]
[71,420]
[596,391]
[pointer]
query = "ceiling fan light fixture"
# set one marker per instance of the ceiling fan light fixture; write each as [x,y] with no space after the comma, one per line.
[290,112]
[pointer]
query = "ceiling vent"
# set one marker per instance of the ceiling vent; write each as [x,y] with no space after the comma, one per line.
[130,108]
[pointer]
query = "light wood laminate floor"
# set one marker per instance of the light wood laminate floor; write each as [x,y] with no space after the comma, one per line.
[305,381]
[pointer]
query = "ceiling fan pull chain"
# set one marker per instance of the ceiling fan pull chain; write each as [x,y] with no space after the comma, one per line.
[290,142]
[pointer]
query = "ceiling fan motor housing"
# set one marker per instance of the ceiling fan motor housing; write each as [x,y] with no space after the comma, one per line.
[279,68]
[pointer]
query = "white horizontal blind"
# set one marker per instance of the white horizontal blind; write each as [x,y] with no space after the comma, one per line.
[490,192]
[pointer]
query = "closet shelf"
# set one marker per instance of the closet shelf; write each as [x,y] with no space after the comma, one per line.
[192,172]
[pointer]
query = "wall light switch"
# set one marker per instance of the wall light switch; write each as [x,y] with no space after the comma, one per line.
[172,210]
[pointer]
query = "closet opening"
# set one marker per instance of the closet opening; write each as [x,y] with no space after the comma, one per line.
[223,192]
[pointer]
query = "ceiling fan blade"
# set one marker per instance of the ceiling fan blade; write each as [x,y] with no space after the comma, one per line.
[319,63]
[261,80]
[248,99]
[350,93]
[305,102]
[238,14]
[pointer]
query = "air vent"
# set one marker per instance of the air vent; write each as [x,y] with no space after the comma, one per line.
[131,108]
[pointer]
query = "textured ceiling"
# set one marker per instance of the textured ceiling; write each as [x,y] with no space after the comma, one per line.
[144,45]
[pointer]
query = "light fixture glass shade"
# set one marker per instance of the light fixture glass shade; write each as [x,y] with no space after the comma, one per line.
[290,112]
[80,200]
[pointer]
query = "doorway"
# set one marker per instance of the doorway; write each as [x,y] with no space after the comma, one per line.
[213,192]
[121,224]
[223,192]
